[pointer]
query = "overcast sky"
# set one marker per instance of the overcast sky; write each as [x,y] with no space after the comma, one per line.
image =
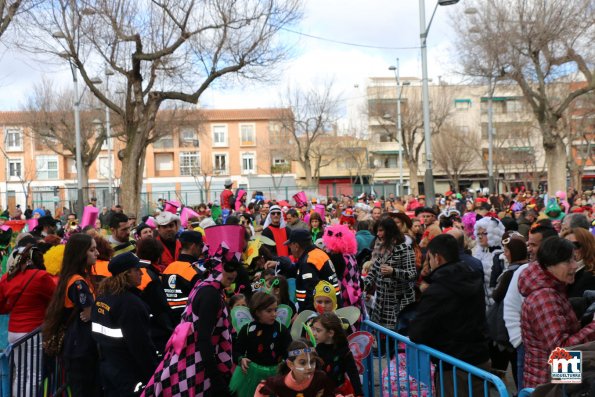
[375,23]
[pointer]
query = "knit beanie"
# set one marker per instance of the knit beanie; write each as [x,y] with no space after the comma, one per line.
[326,289]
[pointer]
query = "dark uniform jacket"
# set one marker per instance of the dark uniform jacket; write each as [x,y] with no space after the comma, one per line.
[120,325]
[178,279]
[313,266]
[451,314]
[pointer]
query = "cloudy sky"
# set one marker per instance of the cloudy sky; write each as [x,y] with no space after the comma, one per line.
[374,30]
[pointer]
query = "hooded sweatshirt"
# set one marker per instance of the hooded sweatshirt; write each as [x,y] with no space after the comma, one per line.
[547,322]
[451,314]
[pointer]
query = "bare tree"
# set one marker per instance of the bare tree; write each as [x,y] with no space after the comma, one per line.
[354,153]
[412,125]
[159,52]
[8,11]
[537,45]
[313,114]
[579,124]
[50,117]
[453,152]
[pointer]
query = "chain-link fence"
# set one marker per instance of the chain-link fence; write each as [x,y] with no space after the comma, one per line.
[58,199]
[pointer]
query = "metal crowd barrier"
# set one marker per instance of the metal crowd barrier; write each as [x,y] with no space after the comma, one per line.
[408,369]
[27,372]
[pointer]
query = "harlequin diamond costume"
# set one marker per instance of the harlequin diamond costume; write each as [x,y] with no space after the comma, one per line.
[198,360]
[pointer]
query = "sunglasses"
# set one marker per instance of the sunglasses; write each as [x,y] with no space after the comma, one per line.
[275,214]
[482,234]
[577,245]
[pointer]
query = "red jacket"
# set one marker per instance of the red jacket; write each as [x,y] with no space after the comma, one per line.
[28,311]
[547,322]
[224,197]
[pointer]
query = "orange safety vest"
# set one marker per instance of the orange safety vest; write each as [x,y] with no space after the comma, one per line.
[67,302]
[175,297]
[100,269]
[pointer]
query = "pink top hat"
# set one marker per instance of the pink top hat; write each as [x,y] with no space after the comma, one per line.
[186,214]
[232,235]
[172,206]
[300,199]
[90,215]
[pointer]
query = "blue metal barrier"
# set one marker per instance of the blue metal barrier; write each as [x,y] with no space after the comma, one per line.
[417,368]
[526,392]
[29,373]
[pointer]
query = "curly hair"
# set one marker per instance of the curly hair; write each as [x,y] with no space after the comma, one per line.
[493,227]
[115,285]
[340,239]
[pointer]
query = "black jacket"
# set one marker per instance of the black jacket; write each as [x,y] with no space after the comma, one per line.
[120,325]
[451,314]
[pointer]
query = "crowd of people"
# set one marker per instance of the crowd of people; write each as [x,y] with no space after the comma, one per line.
[250,296]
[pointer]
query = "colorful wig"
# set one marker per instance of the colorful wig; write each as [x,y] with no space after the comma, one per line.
[469,220]
[493,227]
[340,239]
[53,259]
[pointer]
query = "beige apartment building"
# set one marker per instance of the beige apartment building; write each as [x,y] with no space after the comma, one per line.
[189,163]
[518,157]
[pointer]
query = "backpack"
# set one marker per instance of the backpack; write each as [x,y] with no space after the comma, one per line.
[497,330]
[231,201]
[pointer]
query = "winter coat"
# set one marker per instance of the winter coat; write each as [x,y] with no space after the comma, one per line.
[451,314]
[395,291]
[547,322]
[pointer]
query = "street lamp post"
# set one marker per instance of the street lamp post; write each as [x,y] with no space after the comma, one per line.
[77,128]
[108,138]
[423,34]
[395,69]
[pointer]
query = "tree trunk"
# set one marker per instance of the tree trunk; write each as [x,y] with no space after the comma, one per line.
[413,177]
[555,158]
[307,171]
[133,165]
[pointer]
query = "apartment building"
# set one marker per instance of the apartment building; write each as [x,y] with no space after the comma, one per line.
[461,112]
[190,161]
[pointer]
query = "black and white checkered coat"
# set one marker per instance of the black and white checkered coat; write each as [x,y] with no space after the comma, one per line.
[396,291]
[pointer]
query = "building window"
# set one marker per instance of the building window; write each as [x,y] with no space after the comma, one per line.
[14,140]
[15,168]
[462,104]
[102,167]
[247,135]
[46,167]
[164,162]
[280,165]
[219,135]
[165,142]
[189,163]
[248,163]
[220,163]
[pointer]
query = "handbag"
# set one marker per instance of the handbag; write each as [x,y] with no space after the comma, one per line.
[54,344]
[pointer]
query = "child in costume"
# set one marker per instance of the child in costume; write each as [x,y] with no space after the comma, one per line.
[260,346]
[280,289]
[325,301]
[299,375]
[340,241]
[333,349]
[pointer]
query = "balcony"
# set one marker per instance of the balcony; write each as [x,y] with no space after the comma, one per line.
[280,169]
[384,147]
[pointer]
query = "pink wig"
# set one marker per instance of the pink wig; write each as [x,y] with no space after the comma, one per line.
[339,238]
[469,220]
